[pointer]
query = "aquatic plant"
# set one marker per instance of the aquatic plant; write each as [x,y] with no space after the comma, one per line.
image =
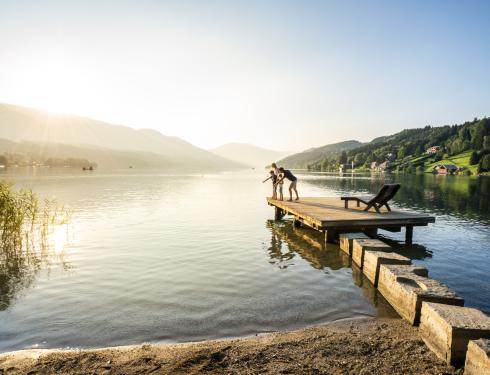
[26,226]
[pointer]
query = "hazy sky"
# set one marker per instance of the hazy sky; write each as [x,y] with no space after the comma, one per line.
[286,75]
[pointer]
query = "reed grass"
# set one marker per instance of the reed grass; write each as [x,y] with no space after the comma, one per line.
[26,223]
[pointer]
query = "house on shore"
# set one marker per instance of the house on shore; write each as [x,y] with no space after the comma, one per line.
[380,167]
[445,169]
[433,150]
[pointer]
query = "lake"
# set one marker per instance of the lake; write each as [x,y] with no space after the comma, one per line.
[156,257]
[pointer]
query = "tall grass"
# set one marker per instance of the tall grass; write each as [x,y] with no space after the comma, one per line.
[25,227]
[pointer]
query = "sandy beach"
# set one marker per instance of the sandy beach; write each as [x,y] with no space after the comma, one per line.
[360,346]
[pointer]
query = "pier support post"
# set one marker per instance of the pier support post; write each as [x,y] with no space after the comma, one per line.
[371,232]
[409,235]
[278,213]
[330,235]
[296,223]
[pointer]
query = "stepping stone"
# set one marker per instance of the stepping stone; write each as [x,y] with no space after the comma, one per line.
[447,330]
[406,287]
[478,357]
[374,259]
[359,246]
[346,239]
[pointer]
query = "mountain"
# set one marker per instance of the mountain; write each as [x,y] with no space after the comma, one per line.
[303,159]
[248,154]
[21,125]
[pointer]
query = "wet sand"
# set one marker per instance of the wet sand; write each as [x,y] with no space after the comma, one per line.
[361,346]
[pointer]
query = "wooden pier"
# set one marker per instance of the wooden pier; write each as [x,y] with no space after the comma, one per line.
[329,216]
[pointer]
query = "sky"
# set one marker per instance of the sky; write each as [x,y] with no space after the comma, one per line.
[286,75]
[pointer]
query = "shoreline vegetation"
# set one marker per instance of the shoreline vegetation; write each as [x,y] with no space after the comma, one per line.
[465,146]
[27,228]
[359,346]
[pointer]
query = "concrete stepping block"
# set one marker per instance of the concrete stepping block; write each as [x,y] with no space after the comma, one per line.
[346,239]
[359,246]
[406,287]
[478,357]
[447,330]
[374,259]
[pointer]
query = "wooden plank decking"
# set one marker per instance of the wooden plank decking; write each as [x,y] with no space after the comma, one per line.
[329,214]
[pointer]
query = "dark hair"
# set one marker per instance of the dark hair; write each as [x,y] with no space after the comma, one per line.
[271,172]
[281,169]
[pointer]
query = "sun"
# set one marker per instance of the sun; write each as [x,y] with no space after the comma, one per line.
[53,84]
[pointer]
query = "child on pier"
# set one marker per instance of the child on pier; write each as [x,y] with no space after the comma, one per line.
[272,177]
[278,185]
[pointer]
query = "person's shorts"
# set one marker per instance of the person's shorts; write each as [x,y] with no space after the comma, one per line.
[292,185]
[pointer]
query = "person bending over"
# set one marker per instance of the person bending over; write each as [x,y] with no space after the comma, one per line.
[292,186]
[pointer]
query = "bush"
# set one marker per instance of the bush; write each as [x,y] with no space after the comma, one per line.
[439,156]
[474,158]
[485,163]
[486,142]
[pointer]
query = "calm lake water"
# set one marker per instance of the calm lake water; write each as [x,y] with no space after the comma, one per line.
[153,257]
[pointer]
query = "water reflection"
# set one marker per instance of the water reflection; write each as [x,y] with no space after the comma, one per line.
[371,293]
[288,241]
[467,197]
[22,261]
[414,251]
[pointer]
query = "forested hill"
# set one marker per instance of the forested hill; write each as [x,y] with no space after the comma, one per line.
[466,145]
[309,157]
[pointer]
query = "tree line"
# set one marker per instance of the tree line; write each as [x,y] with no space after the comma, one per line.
[29,160]
[411,144]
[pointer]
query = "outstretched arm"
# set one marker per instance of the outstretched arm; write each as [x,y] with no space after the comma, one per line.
[267,179]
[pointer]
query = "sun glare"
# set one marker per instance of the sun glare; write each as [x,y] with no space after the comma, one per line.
[53,85]
[59,238]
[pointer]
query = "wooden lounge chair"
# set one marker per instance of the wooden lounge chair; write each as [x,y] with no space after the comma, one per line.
[381,199]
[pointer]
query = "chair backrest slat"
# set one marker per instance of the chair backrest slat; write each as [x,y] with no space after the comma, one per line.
[386,193]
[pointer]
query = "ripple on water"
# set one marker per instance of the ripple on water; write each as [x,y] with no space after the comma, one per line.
[183,258]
